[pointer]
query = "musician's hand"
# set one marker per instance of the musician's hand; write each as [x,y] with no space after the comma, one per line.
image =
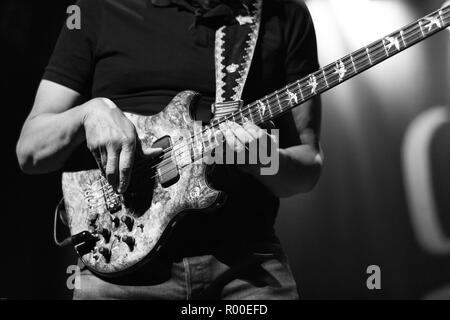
[240,138]
[111,138]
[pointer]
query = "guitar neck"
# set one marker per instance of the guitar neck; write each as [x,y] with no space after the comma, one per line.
[332,75]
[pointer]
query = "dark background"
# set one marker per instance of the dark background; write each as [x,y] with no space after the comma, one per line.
[357,216]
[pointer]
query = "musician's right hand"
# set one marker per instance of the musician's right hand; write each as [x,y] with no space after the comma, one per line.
[111,137]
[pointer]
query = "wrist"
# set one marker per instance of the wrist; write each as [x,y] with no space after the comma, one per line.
[81,113]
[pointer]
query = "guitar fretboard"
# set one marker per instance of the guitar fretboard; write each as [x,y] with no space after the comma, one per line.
[281,101]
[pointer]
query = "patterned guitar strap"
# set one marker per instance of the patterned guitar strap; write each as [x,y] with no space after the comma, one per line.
[234,48]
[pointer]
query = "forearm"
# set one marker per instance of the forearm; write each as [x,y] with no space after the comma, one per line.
[48,139]
[298,171]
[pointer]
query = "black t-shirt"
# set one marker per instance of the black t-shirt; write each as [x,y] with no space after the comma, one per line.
[140,56]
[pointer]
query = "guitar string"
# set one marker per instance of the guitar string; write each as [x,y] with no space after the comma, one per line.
[379,50]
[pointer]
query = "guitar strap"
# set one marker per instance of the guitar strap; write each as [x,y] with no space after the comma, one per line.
[234,48]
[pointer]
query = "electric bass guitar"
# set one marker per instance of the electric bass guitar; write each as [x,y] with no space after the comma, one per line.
[114,234]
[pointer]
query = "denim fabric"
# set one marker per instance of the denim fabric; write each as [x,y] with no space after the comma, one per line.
[248,276]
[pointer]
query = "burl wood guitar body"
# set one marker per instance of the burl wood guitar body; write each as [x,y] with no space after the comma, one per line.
[128,230]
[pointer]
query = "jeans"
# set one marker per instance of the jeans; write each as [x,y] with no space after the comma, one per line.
[229,274]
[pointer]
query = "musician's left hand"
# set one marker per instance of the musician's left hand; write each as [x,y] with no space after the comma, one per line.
[246,138]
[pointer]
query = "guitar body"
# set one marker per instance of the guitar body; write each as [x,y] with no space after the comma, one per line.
[137,234]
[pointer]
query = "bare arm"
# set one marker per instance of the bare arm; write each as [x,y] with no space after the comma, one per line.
[52,130]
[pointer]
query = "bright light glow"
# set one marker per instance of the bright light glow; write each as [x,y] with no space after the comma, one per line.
[344,26]
[360,21]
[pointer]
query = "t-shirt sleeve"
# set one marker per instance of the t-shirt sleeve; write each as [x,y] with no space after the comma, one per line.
[72,63]
[301,48]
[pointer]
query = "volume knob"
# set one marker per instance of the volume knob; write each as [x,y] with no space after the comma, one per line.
[129,222]
[115,221]
[129,241]
[106,253]
[105,233]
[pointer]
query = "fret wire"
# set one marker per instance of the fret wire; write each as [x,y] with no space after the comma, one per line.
[440,17]
[251,118]
[403,38]
[412,29]
[325,77]
[320,76]
[368,54]
[329,73]
[278,99]
[348,60]
[385,49]
[268,105]
[360,56]
[421,29]
[353,63]
[300,89]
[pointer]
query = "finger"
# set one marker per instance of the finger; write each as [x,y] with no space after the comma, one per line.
[125,167]
[230,138]
[112,166]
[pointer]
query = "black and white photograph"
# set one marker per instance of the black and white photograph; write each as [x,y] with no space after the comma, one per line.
[225,153]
